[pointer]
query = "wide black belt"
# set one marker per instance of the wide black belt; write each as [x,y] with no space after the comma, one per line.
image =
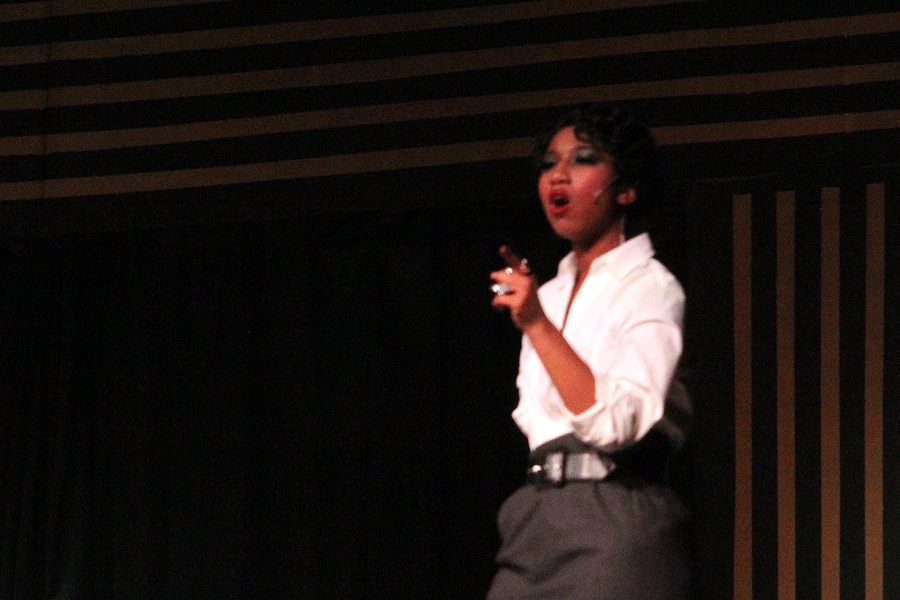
[569,459]
[558,468]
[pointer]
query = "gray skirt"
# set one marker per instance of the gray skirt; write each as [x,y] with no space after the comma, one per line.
[622,538]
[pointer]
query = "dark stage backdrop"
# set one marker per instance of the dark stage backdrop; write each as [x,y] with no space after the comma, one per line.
[246,349]
[307,409]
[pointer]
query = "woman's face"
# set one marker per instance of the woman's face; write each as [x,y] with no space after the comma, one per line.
[577,192]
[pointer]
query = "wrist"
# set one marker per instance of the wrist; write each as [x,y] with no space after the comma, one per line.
[541,326]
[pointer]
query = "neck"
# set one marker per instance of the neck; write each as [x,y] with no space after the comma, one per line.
[610,240]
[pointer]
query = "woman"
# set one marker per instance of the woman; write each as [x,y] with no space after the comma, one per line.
[600,345]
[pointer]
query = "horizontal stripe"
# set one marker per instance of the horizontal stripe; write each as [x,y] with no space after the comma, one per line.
[419,157]
[456,107]
[277,147]
[284,33]
[24,11]
[454,73]
[293,23]
[443,63]
[359,25]
[312,167]
[378,139]
[778,128]
[307,30]
[664,111]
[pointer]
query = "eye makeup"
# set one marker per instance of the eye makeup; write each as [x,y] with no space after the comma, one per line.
[582,155]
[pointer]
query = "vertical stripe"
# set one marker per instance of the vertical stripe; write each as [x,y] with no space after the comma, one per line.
[852,385]
[830,424]
[891,406]
[874,391]
[765,392]
[785,216]
[743,384]
[807,385]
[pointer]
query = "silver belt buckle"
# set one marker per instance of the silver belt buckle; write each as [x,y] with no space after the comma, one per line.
[559,468]
[555,468]
[552,471]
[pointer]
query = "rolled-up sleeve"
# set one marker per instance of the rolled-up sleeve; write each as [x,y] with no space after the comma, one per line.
[626,324]
[631,388]
[633,365]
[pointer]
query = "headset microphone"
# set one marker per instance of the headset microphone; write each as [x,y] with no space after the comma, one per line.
[601,190]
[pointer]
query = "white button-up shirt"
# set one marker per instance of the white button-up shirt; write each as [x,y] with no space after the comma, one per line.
[625,323]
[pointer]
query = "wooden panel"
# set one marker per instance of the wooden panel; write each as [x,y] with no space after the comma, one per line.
[743,398]
[787,497]
[874,391]
[107,100]
[831,395]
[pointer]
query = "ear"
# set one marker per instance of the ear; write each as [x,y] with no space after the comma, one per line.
[626,197]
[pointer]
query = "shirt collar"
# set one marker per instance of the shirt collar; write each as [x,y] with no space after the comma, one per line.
[620,260]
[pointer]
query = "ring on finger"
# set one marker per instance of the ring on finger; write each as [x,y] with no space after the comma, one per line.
[501,289]
[524,269]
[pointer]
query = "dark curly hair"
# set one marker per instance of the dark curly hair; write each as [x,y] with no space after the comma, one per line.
[634,152]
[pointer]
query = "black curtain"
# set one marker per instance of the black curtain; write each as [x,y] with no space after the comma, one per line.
[307,407]
[310,408]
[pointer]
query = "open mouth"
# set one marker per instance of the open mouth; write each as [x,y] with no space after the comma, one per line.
[558,204]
